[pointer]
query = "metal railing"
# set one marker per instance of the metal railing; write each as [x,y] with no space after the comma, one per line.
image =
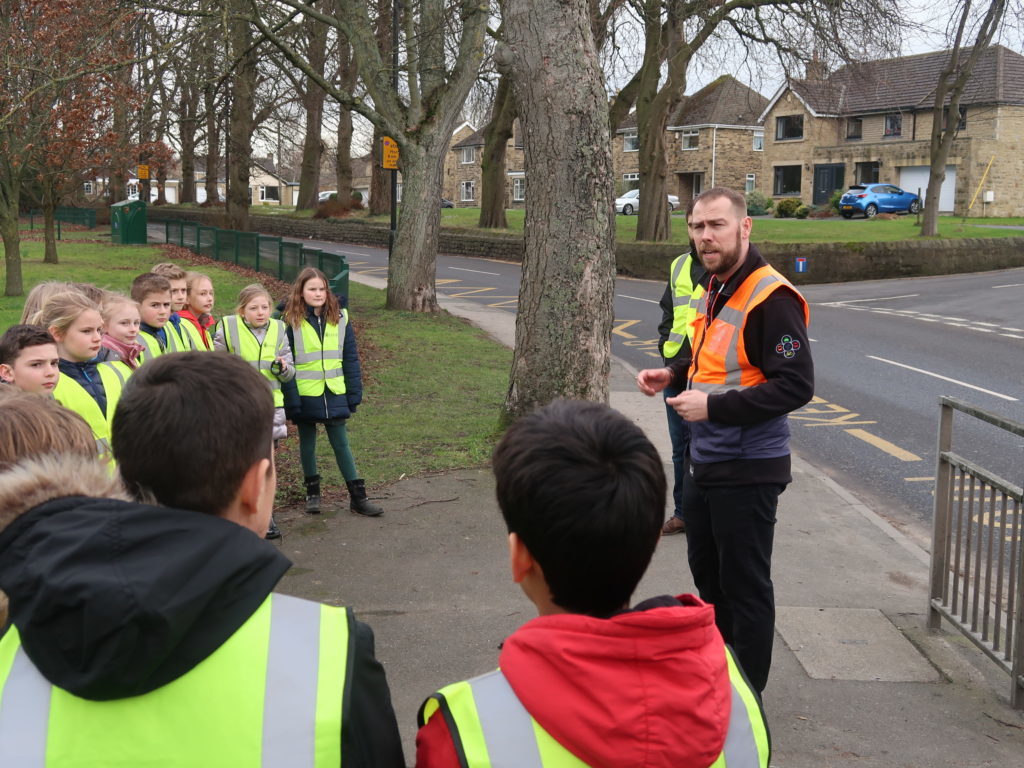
[270,255]
[977,564]
[84,216]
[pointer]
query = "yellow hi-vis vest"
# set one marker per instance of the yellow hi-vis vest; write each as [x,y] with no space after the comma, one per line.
[491,729]
[684,305]
[75,397]
[193,338]
[318,363]
[259,354]
[153,347]
[270,696]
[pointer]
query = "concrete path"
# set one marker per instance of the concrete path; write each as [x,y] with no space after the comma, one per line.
[857,679]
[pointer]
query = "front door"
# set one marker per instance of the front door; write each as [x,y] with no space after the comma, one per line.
[827,179]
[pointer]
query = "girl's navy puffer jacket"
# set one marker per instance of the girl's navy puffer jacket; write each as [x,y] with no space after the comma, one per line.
[328,406]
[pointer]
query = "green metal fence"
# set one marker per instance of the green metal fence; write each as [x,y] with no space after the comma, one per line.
[84,216]
[270,255]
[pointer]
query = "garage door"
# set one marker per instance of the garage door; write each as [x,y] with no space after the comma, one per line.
[913,177]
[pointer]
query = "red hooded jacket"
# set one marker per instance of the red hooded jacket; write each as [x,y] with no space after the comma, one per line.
[647,687]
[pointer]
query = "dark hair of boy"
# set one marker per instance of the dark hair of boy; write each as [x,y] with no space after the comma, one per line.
[19,337]
[295,306]
[584,489]
[148,283]
[189,426]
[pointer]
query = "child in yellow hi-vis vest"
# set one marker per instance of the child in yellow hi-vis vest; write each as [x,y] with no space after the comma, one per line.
[327,386]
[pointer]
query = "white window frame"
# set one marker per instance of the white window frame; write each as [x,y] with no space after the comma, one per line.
[631,142]
[468,156]
[518,189]
[749,184]
[469,186]
[87,187]
[684,135]
[628,178]
[758,142]
[398,193]
[132,188]
[265,199]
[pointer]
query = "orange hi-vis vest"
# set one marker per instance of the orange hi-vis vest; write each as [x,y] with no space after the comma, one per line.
[720,360]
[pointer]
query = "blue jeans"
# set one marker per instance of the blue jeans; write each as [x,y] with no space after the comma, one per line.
[679,434]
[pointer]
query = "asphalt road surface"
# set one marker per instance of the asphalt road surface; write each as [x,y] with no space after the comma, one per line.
[884,352]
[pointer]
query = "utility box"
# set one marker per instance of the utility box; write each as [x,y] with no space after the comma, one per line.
[128,223]
[990,196]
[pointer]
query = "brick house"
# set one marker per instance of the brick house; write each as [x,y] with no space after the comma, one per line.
[463,174]
[715,137]
[871,122]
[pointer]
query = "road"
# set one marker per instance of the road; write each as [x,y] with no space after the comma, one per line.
[884,352]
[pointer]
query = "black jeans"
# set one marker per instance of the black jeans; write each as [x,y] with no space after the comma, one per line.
[729,534]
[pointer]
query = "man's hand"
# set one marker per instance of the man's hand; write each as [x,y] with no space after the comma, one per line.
[650,381]
[691,405]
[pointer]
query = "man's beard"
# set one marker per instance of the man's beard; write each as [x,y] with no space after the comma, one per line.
[727,259]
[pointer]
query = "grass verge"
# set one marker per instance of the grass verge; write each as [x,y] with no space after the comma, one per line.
[433,384]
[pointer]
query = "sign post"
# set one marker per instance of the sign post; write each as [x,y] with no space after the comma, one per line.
[389,161]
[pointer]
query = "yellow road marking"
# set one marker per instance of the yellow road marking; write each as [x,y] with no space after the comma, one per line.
[620,329]
[503,304]
[884,445]
[919,479]
[470,292]
[447,280]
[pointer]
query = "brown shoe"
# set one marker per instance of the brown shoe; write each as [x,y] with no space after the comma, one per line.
[673,526]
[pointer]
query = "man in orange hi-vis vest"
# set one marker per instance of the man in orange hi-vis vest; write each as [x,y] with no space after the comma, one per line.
[751,366]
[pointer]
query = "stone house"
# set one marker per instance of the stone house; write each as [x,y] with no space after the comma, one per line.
[463,173]
[871,122]
[715,137]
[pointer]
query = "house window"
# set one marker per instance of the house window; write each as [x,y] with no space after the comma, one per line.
[787,180]
[748,187]
[632,180]
[894,124]
[758,141]
[631,142]
[854,128]
[87,187]
[398,193]
[468,155]
[867,173]
[270,194]
[468,191]
[518,189]
[690,139]
[132,189]
[789,127]
[961,123]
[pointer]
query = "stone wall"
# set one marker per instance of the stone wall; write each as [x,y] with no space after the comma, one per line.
[826,262]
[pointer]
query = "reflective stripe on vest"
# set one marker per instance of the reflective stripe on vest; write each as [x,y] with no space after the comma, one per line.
[318,363]
[222,712]
[259,354]
[152,343]
[684,306]
[720,360]
[490,728]
[75,397]
[194,337]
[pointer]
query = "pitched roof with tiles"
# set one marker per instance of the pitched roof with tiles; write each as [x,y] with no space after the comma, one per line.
[726,101]
[475,139]
[909,83]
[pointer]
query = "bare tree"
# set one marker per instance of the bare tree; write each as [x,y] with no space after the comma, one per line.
[950,87]
[563,327]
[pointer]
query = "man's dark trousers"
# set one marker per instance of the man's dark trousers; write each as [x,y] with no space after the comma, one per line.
[729,535]
[679,434]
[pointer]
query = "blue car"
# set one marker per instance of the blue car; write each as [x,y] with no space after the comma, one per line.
[872,199]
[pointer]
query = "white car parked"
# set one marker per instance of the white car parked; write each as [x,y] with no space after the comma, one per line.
[323,197]
[629,203]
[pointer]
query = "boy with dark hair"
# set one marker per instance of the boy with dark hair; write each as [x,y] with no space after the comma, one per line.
[582,492]
[153,294]
[29,359]
[177,277]
[154,629]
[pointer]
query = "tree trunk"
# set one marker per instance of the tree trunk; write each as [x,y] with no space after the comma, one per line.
[187,140]
[653,222]
[413,265]
[343,160]
[240,125]
[212,149]
[49,227]
[563,328]
[13,285]
[380,179]
[492,165]
[313,103]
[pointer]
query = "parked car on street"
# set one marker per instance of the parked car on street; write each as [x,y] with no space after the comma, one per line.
[629,203]
[446,203]
[872,199]
[323,197]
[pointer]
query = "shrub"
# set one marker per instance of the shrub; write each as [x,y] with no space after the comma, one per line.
[785,208]
[833,202]
[802,212]
[758,204]
[335,208]
[356,195]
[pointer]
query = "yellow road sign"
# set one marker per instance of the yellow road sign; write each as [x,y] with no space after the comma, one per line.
[389,156]
[143,171]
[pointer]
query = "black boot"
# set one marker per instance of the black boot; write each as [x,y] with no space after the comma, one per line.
[359,504]
[273,532]
[313,495]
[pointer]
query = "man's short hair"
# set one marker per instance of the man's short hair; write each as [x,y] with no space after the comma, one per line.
[189,426]
[739,202]
[147,283]
[584,489]
[20,337]
[169,270]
